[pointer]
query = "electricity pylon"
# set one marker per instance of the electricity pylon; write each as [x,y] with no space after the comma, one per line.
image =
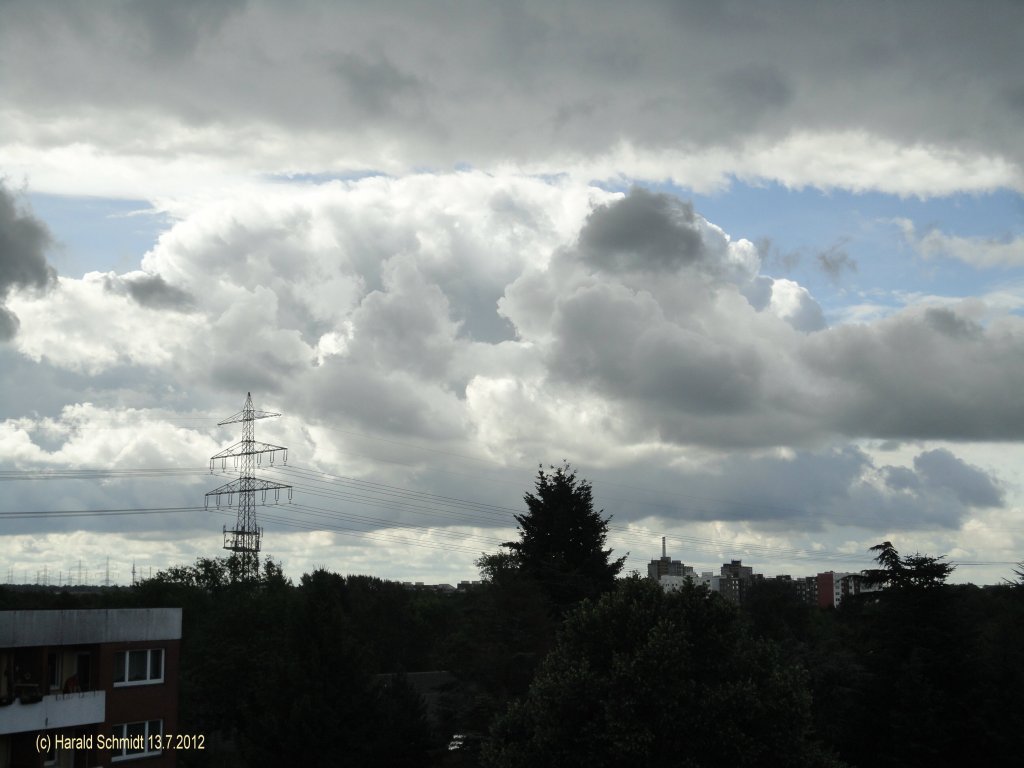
[244,538]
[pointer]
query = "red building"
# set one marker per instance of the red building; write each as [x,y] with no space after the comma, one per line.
[80,689]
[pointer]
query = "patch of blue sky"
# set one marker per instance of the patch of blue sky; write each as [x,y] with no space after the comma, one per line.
[94,234]
[804,224]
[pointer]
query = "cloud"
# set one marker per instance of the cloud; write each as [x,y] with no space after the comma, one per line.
[982,252]
[8,324]
[150,291]
[971,485]
[659,355]
[793,303]
[440,289]
[842,488]
[643,231]
[835,260]
[605,95]
[927,374]
[24,240]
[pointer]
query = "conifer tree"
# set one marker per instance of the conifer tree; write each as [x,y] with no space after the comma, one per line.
[561,540]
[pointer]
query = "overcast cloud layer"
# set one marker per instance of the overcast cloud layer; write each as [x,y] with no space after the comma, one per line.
[438,239]
[908,99]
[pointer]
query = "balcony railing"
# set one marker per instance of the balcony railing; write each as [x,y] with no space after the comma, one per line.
[61,710]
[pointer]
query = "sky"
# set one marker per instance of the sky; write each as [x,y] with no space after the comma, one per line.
[756,271]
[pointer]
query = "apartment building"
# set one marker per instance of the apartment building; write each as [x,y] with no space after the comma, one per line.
[833,587]
[804,587]
[86,688]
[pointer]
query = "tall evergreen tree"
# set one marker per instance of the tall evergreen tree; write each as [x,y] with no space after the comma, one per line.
[561,540]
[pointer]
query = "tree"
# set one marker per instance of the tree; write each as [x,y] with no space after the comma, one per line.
[561,541]
[1019,571]
[644,677]
[915,571]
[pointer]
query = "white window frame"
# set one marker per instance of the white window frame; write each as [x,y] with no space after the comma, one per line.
[121,732]
[125,682]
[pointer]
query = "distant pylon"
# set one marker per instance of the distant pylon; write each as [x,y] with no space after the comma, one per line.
[244,538]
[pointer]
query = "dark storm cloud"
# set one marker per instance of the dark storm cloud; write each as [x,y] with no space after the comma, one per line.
[815,490]
[949,323]
[754,91]
[522,81]
[930,375]
[378,88]
[24,240]
[156,293]
[643,231]
[8,324]
[23,243]
[970,484]
[173,30]
[901,478]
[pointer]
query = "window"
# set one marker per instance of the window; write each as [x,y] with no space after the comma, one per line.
[139,667]
[53,670]
[132,740]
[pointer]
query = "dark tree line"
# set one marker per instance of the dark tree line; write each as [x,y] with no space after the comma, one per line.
[556,660]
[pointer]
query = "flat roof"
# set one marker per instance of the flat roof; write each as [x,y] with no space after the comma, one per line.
[22,629]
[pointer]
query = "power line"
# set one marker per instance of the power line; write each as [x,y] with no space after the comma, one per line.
[96,512]
[386,496]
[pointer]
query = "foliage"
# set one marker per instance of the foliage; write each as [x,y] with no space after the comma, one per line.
[922,674]
[938,668]
[561,541]
[644,677]
[1019,572]
[915,571]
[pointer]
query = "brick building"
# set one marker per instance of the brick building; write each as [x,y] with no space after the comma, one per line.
[88,688]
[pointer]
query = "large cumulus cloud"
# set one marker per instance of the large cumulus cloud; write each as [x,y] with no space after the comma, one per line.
[517,320]
[452,281]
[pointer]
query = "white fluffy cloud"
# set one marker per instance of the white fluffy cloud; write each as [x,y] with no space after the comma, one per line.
[417,292]
[977,251]
[520,320]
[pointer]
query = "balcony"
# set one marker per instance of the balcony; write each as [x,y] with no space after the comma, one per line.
[61,710]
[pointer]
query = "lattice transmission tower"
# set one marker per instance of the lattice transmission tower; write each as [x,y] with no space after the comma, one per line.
[244,538]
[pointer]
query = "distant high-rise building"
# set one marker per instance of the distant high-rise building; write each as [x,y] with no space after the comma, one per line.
[734,580]
[737,570]
[804,587]
[665,566]
[834,587]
